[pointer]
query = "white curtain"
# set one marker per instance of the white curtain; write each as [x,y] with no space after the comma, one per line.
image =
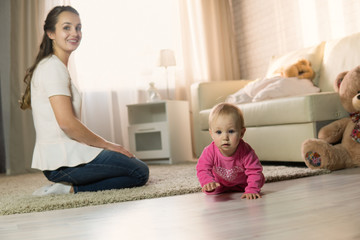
[118,57]
[208,40]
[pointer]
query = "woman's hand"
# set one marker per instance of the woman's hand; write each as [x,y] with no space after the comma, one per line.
[118,148]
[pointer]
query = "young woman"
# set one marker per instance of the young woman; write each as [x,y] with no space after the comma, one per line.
[68,153]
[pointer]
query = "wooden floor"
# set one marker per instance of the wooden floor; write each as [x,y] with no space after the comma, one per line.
[321,207]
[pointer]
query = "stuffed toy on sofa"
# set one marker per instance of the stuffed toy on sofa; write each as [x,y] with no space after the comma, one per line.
[338,143]
[292,80]
[301,69]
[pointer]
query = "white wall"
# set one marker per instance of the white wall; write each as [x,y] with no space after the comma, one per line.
[266,28]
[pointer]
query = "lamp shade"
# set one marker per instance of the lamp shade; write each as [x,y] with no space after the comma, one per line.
[166,58]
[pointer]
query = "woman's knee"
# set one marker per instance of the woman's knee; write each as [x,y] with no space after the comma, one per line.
[144,172]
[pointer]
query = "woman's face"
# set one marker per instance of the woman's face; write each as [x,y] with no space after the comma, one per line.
[67,35]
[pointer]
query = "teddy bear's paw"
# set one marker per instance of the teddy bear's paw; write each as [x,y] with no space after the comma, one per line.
[313,158]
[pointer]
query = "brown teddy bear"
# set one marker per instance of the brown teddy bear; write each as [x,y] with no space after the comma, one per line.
[338,145]
[301,69]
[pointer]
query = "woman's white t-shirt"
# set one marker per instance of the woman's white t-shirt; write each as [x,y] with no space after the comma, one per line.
[53,148]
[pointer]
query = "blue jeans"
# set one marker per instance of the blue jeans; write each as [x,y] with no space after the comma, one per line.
[109,170]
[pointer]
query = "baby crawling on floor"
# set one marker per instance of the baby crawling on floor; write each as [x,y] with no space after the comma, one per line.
[229,164]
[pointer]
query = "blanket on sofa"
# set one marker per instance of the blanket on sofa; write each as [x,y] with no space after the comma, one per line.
[273,87]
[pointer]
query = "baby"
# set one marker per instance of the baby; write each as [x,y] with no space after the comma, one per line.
[229,164]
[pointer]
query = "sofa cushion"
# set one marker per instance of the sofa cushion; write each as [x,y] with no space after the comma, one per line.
[313,54]
[339,56]
[300,109]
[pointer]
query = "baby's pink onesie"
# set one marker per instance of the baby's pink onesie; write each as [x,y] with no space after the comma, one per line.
[242,172]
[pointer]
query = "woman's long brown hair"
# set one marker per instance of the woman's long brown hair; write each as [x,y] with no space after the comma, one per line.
[46,49]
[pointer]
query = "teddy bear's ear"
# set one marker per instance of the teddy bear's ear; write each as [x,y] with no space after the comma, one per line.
[338,80]
[302,61]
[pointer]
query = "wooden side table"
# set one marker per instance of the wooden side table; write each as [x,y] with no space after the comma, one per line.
[160,132]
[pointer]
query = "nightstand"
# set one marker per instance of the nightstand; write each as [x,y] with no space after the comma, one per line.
[159,132]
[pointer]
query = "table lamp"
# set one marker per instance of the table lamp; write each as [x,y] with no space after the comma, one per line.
[167,59]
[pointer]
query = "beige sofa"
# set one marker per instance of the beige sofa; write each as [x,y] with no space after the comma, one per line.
[276,128]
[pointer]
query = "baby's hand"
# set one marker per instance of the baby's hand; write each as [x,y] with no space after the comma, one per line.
[251,195]
[210,187]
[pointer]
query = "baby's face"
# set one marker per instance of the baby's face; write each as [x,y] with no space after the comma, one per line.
[226,134]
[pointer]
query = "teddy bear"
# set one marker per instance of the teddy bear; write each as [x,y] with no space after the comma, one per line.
[301,69]
[338,143]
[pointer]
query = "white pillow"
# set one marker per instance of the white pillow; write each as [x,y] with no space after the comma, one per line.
[313,54]
[286,87]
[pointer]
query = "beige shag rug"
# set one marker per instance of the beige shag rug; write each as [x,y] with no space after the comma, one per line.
[165,180]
